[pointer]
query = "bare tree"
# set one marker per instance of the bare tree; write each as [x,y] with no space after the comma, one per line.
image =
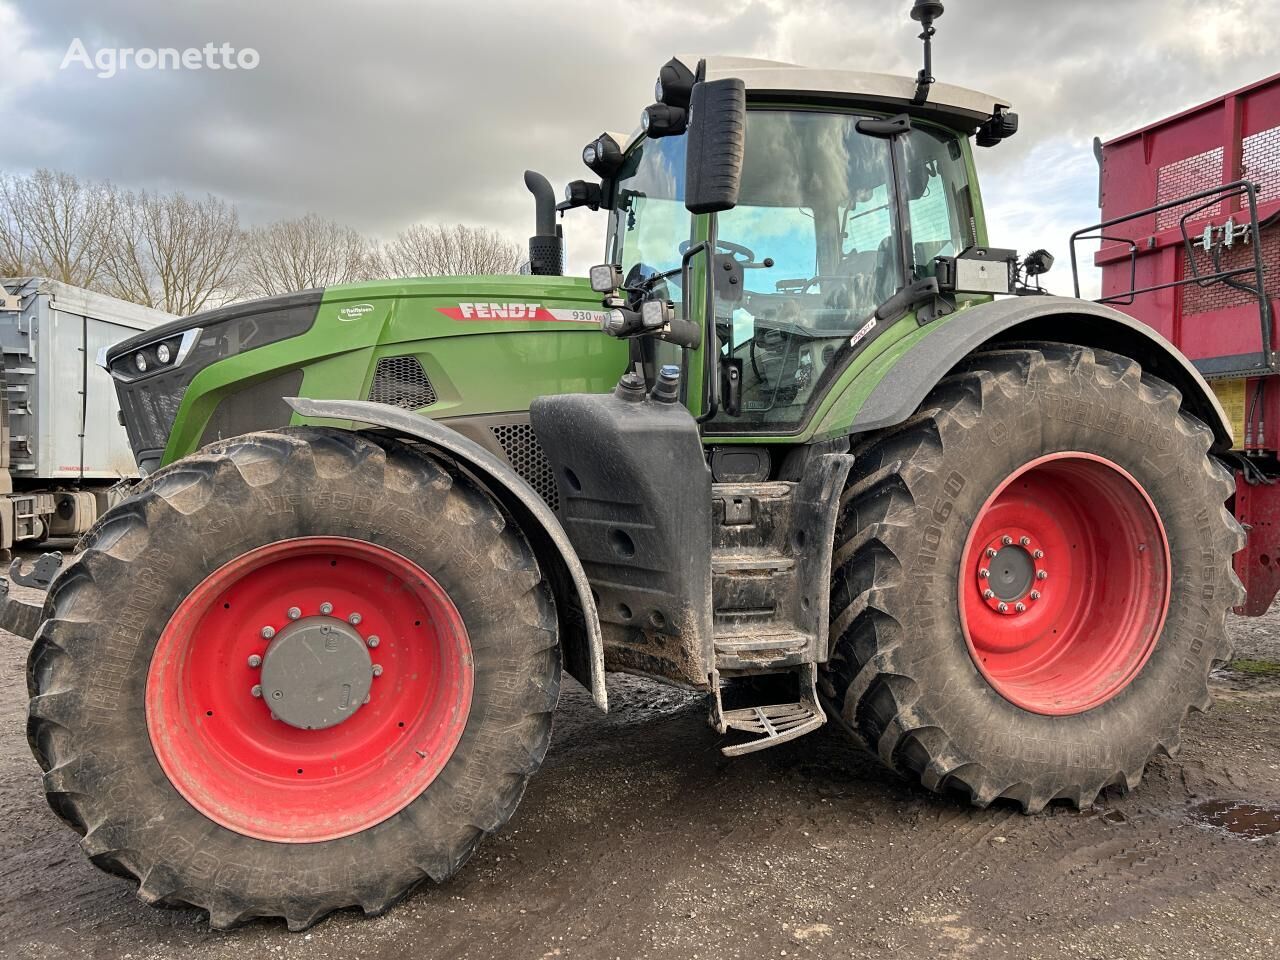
[54,224]
[424,250]
[171,252]
[16,259]
[298,254]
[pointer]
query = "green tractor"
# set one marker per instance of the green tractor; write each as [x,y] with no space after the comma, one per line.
[806,443]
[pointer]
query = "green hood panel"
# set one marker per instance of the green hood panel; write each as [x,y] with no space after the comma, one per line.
[487,344]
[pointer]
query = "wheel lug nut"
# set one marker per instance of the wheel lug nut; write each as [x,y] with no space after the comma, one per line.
[991,551]
[377,669]
[257,690]
[268,632]
[1035,594]
[293,613]
[1042,575]
[984,573]
[277,694]
[1038,554]
[326,608]
[1002,606]
[354,619]
[988,594]
[255,661]
[1025,541]
[1006,540]
[373,640]
[1020,607]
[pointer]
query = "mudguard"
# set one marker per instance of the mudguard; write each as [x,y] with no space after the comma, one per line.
[1057,319]
[579,622]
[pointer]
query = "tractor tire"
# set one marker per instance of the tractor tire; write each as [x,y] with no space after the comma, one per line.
[186,732]
[1031,579]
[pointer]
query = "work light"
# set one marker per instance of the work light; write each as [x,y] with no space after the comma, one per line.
[675,84]
[603,156]
[605,277]
[660,120]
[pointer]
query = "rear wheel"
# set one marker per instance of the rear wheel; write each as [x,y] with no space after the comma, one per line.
[298,671]
[1031,579]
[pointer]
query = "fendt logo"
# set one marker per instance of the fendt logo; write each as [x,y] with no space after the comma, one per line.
[518,311]
[498,311]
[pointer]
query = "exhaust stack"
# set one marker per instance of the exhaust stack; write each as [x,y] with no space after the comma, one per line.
[546,246]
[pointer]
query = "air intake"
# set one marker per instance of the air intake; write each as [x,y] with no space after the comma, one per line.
[401,382]
[525,453]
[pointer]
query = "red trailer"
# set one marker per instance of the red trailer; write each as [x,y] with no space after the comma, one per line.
[1190,244]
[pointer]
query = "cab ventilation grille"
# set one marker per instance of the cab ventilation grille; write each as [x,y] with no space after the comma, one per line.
[526,456]
[401,382]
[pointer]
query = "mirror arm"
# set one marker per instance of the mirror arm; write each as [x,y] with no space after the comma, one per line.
[710,340]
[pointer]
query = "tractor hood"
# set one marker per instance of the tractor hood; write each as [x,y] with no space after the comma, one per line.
[448,346]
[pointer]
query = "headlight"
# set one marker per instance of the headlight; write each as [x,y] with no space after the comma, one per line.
[589,154]
[151,359]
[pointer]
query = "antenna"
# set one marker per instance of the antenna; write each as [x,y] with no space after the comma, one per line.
[925,11]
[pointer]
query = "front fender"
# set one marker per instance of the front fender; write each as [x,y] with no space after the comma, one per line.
[579,622]
[1056,319]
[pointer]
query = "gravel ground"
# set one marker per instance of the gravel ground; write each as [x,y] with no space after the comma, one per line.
[638,839]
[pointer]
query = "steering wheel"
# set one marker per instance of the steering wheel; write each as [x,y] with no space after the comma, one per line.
[747,255]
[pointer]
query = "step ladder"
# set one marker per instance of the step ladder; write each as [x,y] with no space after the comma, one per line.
[770,724]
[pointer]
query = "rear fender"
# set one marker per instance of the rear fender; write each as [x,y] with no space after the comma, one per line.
[579,622]
[1055,319]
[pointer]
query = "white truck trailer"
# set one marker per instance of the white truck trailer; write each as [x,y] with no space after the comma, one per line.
[62,447]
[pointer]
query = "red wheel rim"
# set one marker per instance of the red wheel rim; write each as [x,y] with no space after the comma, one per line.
[1064,583]
[218,742]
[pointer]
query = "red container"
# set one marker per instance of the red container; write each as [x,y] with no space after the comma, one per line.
[1230,335]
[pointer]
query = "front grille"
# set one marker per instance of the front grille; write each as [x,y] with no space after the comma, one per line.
[525,453]
[401,382]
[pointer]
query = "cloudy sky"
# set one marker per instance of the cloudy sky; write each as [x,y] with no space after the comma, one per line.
[384,112]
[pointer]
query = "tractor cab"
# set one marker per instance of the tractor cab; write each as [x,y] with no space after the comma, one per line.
[849,192]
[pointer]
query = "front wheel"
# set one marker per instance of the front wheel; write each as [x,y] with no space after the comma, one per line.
[1032,579]
[298,671]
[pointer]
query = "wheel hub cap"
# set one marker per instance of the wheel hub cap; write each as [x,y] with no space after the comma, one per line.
[316,673]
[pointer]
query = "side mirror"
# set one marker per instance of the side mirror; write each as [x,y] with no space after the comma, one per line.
[714,150]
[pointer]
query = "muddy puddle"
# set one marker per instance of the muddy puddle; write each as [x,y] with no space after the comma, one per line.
[1247,820]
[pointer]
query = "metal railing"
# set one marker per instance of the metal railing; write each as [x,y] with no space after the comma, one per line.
[1233,277]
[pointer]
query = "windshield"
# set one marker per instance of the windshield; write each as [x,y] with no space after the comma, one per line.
[650,222]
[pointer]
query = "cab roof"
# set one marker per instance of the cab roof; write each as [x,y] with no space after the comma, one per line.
[953,106]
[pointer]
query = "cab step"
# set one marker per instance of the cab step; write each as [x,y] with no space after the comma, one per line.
[749,652]
[771,724]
